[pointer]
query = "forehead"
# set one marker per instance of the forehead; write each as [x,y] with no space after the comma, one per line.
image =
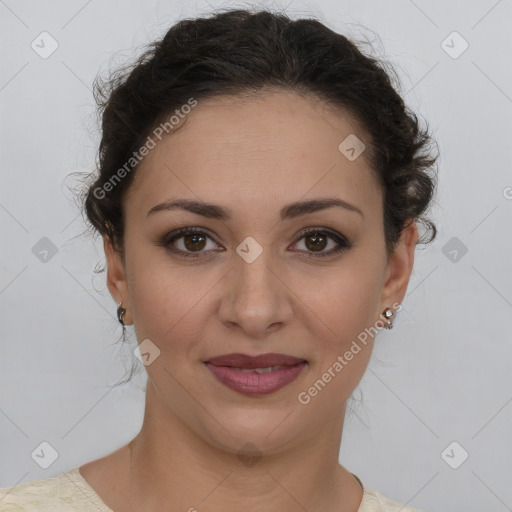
[256,151]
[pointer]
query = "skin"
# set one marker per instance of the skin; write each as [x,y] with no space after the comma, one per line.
[252,156]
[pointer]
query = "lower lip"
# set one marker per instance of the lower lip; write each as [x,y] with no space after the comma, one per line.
[255,383]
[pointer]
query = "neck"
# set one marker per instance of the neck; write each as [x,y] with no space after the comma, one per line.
[187,473]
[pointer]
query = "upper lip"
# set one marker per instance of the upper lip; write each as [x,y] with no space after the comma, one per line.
[249,362]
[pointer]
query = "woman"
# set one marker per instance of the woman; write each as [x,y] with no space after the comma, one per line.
[260,187]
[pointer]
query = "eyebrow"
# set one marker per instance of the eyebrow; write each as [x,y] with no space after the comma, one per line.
[289,211]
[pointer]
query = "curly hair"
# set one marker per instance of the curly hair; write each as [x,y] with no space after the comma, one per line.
[235,52]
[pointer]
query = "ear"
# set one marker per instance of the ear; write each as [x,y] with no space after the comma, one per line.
[399,268]
[116,278]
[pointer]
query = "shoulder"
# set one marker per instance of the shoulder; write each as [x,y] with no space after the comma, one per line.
[65,492]
[35,495]
[374,501]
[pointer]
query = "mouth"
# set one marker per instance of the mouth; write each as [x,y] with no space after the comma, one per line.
[255,375]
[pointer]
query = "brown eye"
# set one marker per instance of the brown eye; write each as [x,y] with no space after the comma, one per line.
[187,242]
[191,242]
[194,242]
[317,240]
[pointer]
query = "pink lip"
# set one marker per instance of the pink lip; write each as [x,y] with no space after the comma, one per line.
[260,361]
[227,370]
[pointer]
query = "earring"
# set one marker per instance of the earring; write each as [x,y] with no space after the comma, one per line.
[388,315]
[120,313]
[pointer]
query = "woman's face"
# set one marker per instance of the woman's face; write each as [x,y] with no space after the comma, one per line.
[253,282]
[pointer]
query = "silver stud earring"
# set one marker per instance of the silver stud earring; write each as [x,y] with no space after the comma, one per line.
[388,317]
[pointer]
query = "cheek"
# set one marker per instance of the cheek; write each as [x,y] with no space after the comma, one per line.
[342,326]
[344,299]
[174,303]
[168,300]
[169,297]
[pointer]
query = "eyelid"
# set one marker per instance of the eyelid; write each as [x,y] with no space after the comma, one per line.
[320,229]
[176,234]
[341,240]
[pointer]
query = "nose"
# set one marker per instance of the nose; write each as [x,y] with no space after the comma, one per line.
[256,298]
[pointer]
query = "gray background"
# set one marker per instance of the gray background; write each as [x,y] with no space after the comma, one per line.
[442,375]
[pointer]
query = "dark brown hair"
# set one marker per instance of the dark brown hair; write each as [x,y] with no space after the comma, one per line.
[236,52]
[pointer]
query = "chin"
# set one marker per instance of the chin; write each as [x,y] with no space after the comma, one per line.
[254,432]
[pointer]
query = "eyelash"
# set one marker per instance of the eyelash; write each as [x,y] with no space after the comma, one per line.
[343,243]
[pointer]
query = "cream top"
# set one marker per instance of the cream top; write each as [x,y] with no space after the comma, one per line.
[69,492]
